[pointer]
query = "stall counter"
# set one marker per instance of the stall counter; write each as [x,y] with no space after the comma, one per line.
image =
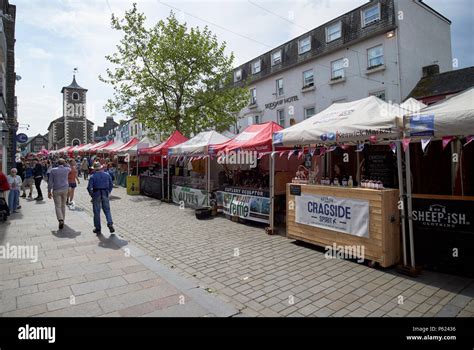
[342,217]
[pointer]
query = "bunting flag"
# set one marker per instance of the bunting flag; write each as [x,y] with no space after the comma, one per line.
[344,147]
[300,154]
[406,143]
[360,147]
[393,147]
[312,151]
[290,153]
[447,140]
[425,143]
[373,139]
[330,149]
[282,153]
[469,139]
[261,154]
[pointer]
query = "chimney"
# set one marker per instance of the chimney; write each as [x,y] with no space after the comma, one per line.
[430,70]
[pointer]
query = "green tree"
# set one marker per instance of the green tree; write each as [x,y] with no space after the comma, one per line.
[172,77]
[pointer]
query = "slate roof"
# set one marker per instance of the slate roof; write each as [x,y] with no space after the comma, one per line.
[444,83]
[73,85]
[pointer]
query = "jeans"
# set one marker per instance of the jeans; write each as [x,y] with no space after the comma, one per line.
[38,186]
[98,201]
[13,199]
[60,198]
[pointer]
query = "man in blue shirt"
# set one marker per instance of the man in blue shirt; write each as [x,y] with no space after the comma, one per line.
[99,187]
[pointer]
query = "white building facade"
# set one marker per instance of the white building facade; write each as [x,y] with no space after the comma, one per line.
[382,48]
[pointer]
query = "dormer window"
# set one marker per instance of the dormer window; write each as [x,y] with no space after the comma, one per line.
[370,15]
[256,66]
[304,45]
[333,32]
[75,96]
[238,75]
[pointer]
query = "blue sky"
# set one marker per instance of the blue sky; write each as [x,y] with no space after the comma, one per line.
[55,36]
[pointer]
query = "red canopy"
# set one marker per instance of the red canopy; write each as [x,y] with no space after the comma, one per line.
[175,139]
[126,146]
[257,137]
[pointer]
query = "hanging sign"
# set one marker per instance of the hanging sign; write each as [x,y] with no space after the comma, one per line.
[344,215]
[422,125]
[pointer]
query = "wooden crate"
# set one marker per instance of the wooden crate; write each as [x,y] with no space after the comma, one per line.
[384,242]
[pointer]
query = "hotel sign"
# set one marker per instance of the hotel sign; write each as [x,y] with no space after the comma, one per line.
[273,105]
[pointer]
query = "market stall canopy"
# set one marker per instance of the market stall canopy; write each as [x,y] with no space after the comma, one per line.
[175,139]
[126,146]
[346,122]
[199,144]
[110,148]
[97,147]
[451,117]
[75,149]
[257,137]
[83,147]
[87,147]
[144,143]
[413,105]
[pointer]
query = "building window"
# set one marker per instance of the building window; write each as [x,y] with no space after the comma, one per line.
[375,56]
[380,94]
[238,75]
[253,96]
[279,87]
[337,69]
[276,58]
[304,45]
[75,96]
[257,119]
[308,78]
[370,15]
[256,67]
[309,112]
[333,32]
[281,117]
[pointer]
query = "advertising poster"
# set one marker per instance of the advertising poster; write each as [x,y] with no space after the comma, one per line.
[191,197]
[249,207]
[344,215]
[133,185]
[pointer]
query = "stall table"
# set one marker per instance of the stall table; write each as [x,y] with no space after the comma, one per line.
[342,216]
[151,186]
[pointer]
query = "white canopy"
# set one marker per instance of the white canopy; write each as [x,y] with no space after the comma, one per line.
[451,117]
[413,105]
[144,143]
[346,122]
[199,144]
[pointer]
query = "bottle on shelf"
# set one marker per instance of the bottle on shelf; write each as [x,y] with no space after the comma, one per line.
[336,181]
[350,182]
[344,182]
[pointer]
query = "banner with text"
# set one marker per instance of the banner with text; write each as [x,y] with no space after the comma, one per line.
[246,207]
[344,215]
[190,196]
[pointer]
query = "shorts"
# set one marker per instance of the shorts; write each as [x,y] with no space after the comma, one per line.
[72,185]
[29,181]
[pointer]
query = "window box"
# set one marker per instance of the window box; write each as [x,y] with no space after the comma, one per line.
[337,80]
[308,88]
[374,69]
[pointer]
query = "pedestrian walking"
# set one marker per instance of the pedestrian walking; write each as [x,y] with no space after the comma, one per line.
[14,181]
[58,187]
[100,186]
[29,181]
[72,178]
[85,168]
[38,176]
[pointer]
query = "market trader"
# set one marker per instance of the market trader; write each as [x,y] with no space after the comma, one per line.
[99,187]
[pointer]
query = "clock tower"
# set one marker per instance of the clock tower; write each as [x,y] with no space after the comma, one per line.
[77,129]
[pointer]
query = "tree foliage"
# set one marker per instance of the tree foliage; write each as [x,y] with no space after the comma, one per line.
[172,77]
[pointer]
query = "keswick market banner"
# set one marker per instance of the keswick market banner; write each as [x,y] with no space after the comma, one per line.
[253,205]
[190,196]
[345,215]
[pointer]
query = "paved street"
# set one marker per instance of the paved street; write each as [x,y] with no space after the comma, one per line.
[179,266]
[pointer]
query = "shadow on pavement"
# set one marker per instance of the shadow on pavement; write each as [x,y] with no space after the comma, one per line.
[111,242]
[66,232]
